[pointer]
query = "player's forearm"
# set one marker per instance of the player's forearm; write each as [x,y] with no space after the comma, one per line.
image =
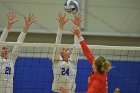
[58,36]
[15,52]
[25,29]
[4,35]
[74,53]
[86,51]
[16,48]
[56,51]
[76,40]
[23,34]
[61,27]
[8,26]
[21,37]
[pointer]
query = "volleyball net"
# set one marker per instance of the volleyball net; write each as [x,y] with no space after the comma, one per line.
[33,70]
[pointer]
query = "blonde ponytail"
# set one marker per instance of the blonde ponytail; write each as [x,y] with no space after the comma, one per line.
[102,64]
[106,66]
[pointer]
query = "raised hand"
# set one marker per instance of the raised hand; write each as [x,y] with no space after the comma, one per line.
[77,20]
[76,31]
[29,21]
[11,19]
[62,20]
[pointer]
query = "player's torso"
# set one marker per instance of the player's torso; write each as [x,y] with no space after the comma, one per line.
[6,69]
[64,75]
[100,80]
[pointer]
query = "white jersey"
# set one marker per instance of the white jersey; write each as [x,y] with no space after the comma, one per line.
[64,75]
[6,75]
[7,65]
[64,72]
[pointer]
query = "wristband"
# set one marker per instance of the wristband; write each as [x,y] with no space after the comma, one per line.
[81,39]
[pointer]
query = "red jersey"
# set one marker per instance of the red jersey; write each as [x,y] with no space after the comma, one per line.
[97,83]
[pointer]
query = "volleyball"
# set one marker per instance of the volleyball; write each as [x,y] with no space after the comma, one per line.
[71,6]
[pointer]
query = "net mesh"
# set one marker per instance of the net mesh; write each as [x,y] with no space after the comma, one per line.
[33,69]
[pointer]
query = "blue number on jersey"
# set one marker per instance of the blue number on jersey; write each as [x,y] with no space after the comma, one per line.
[65,71]
[7,70]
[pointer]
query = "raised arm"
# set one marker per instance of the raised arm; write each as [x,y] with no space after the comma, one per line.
[86,51]
[62,21]
[28,22]
[11,21]
[75,51]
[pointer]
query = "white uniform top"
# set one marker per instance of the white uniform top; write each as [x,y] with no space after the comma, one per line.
[64,75]
[64,72]
[7,65]
[6,69]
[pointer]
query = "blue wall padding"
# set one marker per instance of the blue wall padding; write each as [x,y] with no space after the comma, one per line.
[35,75]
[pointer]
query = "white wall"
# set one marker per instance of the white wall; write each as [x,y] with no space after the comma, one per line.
[103,17]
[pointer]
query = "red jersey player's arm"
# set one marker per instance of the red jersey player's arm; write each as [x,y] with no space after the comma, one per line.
[87,52]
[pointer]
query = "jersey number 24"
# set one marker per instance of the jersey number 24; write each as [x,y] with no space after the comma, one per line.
[65,71]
